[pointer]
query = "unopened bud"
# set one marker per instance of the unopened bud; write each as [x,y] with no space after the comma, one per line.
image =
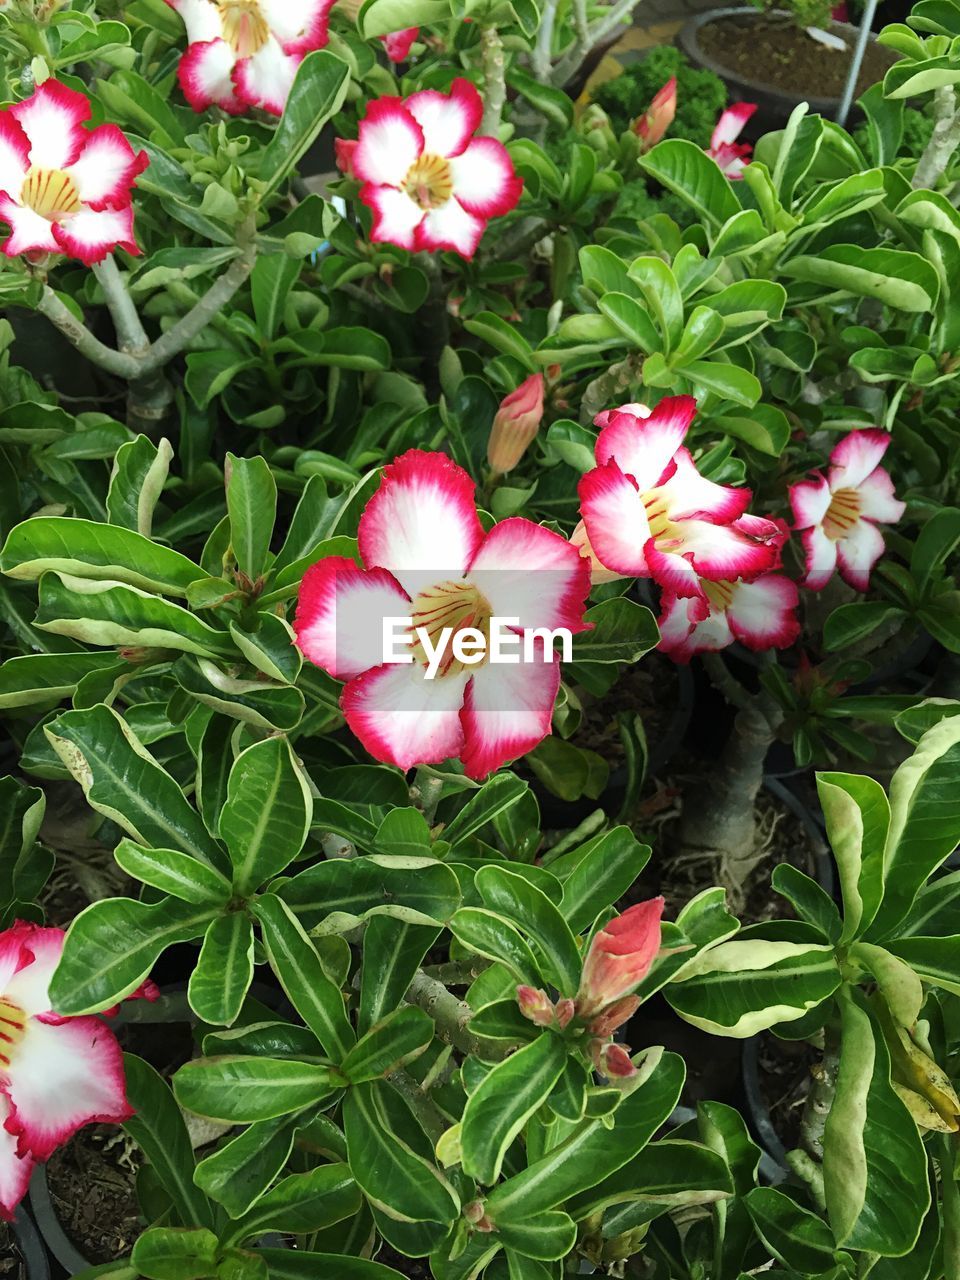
[615,1015]
[613,1061]
[658,117]
[535,1005]
[516,424]
[565,1011]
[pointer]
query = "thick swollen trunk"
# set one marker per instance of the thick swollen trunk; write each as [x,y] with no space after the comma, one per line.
[719,816]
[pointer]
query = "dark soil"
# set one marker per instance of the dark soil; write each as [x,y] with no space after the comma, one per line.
[768,50]
[415,1268]
[650,689]
[92,1190]
[783,1071]
[12,1266]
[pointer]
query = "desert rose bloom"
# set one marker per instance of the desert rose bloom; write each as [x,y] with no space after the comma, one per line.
[430,183]
[398,43]
[426,557]
[620,957]
[647,511]
[245,53]
[838,513]
[729,154]
[56,1074]
[515,424]
[658,117]
[760,614]
[64,188]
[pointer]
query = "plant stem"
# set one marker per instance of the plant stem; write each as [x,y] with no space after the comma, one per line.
[195,321]
[434,1122]
[543,50]
[148,399]
[571,62]
[494,81]
[943,142]
[608,387]
[820,1098]
[725,683]
[452,1016]
[119,363]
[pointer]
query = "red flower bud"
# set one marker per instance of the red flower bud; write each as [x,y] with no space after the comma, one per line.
[516,424]
[620,957]
[615,1062]
[343,150]
[658,117]
[535,1005]
[565,1011]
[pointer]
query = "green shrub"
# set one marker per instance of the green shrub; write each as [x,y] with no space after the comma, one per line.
[701,95]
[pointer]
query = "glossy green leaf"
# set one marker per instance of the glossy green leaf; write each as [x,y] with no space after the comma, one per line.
[173,1253]
[607,868]
[318,91]
[341,893]
[493,936]
[252,508]
[857,816]
[224,970]
[902,280]
[267,813]
[173,872]
[301,1204]
[139,474]
[689,173]
[240,1090]
[515,898]
[35,679]
[238,1174]
[394,1041]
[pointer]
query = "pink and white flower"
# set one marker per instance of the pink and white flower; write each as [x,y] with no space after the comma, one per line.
[245,53]
[427,558]
[838,513]
[760,614]
[647,511]
[63,188]
[398,43]
[430,182]
[56,1074]
[658,117]
[730,155]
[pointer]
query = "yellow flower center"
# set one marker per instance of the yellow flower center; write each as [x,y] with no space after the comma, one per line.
[457,605]
[842,514]
[51,193]
[429,181]
[13,1024]
[245,28]
[720,594]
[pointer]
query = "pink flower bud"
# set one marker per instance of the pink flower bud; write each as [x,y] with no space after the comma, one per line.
[615,1015]
[658,117]
[343,150]
[620,957]
[535,1005]
[615,1062]
[516,424]
[565,1011]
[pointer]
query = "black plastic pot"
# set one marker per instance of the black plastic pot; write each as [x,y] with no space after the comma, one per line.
[30,1245]
[59,1244]
[759,1114]
[775,105]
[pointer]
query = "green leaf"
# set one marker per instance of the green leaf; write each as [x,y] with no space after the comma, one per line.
[739,988]
[256,702]
[555,105]
[504,1101]
[765,428]
[238,1090]
[318,92]
[503,336]
[380,17]
[296,1264]
[271,280]
[811,902]
[632,320]
[606,868]
[924,822]
[901,279]
[874,1165]
[399,1038]
[224,970]
[514,897]
[116,615]
[171,1253]
[173,872]
[345,891]
[391,1158]
[727,380]
[157,1127]
[592,1151]
[857,816]
[121,780]
[689,173]
[490,935]
[851,623]
[300,1204]
[271,648]
[673,1172]
[252,507]
[295,961]
[622,631]
[795,1236]
[139,473]
[392,952]
[36,678]
[936,542]
[113,944]
[100,552]
[497,795]
[660,290]
[267,814]
[548,1236]
[238,1174]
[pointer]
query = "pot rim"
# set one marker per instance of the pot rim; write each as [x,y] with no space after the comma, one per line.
[689,41]
[30,1244]
[54,1236]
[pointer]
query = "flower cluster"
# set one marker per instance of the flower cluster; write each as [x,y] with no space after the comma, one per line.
[621,955]
[56,1074]
[245,53]
[65,188]
[430,182]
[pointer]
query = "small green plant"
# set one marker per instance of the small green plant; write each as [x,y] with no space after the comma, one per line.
[701,95]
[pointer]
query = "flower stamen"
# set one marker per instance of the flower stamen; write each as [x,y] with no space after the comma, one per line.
[13,1024]
[457,605]
[429,181]
[842,514]
[51,193]
[245,28]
